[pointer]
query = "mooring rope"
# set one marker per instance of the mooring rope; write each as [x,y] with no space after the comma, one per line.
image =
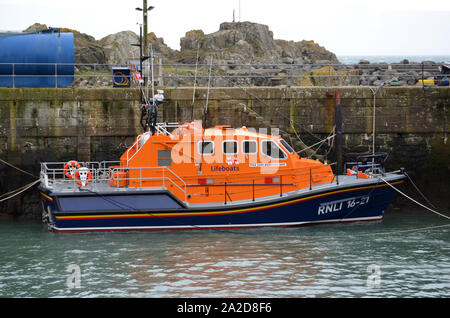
[331,136]
[424,206]
[20,190]
[423,195]
[13,166]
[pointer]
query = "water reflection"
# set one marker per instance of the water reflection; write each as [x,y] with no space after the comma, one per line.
[219,264]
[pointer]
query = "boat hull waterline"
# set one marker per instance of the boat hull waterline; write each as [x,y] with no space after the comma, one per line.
[127,212]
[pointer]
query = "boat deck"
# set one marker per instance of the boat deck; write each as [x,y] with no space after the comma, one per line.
[103,187]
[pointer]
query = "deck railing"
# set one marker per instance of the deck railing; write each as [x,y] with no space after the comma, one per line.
[109,174]
[162,175]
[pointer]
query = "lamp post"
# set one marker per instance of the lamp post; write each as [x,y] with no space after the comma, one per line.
[144,42]
[374,93]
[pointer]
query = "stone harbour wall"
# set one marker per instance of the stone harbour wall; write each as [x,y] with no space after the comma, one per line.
[46,124]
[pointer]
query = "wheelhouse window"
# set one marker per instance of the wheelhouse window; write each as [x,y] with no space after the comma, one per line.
[206,147]
[270,149]
[164,158]
[230,147]
[249,147]
[286,146]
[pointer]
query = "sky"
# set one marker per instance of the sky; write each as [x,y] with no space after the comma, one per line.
[345,27]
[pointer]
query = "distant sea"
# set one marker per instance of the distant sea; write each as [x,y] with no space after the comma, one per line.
[354,59]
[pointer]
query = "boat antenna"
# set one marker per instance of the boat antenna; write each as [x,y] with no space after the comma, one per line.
[149,110]
[195,84]
[153,76]
[205,114]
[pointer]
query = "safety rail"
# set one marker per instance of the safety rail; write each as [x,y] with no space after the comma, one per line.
[137,145]
[162,127]
[107,172]
[113,176]
[53,173]
[253,184]
[167,175]
[142,138]
[371,168]
[225,75]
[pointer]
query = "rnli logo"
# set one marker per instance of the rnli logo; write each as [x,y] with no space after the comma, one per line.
[232,161]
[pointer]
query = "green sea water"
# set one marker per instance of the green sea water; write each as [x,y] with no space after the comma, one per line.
[405,255]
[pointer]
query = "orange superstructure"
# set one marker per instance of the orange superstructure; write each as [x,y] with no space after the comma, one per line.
[216,164]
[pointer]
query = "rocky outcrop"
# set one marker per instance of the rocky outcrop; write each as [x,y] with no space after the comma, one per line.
[233,43]
[305,52]
[86,48]
[162,49]
[247,42]
[118,47]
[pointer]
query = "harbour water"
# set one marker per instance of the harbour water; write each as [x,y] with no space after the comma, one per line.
[405,255]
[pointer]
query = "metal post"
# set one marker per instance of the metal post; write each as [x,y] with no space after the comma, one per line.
[140,62]
[176,75]
[329,75]
[310,179]
[339,131]
[56,75]
[373,130]
[144,11]
[281,185]
[373,122]
[13,76]
[423,85]
[253,190]
[225,193]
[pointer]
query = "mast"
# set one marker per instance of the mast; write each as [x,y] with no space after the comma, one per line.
[205,112]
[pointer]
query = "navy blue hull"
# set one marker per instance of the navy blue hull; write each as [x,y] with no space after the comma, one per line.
[126,212]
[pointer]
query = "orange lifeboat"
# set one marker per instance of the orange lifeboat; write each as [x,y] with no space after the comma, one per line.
[184,176]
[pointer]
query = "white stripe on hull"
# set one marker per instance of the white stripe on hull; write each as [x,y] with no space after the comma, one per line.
[212,226]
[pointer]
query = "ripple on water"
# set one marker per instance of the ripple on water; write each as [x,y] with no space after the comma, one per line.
[323,261]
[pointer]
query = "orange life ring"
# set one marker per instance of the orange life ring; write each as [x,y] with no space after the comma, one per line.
[70,168]
[84,176]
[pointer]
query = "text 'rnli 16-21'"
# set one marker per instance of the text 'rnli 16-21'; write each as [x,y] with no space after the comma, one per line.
[336,206]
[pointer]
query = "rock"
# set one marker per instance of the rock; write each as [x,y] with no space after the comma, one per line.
[89,53]
[287,60]
[36,27]
[308,51]
[377,83]
[118,47]
[191,39]
[250,43]
[362,61]
[259,35]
